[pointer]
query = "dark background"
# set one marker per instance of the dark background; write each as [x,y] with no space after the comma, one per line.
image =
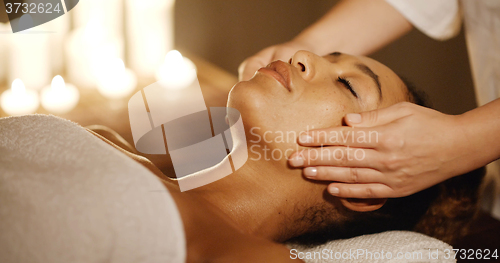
[225,32]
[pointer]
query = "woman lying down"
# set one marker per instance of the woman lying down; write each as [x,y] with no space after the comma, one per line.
[71,197]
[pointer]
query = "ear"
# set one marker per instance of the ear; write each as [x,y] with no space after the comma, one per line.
[363,205]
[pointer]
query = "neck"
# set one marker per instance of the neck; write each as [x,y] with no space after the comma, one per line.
[254,199]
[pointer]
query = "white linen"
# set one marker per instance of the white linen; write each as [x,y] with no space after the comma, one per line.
[389,247]
[67,196]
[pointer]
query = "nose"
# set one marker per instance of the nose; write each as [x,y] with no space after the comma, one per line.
[303,61]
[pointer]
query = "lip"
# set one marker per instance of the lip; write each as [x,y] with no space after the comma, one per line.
[280,71]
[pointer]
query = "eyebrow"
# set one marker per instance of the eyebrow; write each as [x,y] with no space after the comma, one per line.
[335,54]
[365,69]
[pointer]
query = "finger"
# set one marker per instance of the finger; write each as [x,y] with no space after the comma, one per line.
[336,156]
[360,190]
[345,174]
[342,136]
[283,54]
[242,75]
[380,116]
[248,68]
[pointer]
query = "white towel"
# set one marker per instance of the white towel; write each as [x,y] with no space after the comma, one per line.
[67,196]
[389,247]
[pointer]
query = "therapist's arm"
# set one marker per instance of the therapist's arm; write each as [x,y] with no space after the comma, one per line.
[415,148]
[356,27]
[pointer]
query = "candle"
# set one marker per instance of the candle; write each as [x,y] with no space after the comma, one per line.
[177,72]
[115,81]
[149,33]
[60,28]
[4,30]
[57,26]
[86,48]
[18,100]
[110,12]
[60,97]
[29,55]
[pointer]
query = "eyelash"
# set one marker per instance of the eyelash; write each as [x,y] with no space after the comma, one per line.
[347,84]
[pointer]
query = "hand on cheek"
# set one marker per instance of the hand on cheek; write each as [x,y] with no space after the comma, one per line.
[391,152]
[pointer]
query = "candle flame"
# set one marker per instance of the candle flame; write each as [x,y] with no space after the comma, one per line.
[177,71]
[58,83]
[18,87]
[115,81]
[174,57]
[118,66]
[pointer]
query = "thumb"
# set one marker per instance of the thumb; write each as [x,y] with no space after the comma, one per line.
[378,117]
[244,71]
[247,69]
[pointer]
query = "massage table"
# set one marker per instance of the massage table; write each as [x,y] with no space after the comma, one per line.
[67,196]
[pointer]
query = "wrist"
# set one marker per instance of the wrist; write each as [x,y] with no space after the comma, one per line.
[316,44]
[477,148]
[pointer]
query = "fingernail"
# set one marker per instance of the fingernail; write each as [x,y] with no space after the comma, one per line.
[310,171]
[354,117]
[304,138]
[333,190]
[297,161]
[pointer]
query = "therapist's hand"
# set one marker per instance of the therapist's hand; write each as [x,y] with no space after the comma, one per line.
[406,148]
[282,52]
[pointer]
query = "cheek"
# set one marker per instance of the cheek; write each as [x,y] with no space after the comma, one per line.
[314,108]
[258,107]
[326,108]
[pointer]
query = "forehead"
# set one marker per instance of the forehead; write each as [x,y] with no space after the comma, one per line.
[392,88]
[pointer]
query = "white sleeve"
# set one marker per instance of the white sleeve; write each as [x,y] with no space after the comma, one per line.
[439,19]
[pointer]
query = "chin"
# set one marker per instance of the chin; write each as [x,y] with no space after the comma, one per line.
[260,92]
[251,101]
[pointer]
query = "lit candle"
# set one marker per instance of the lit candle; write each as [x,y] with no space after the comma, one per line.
[115,81]
[149,33]
[30,55]
[18,100]
[60,97]
[177,72]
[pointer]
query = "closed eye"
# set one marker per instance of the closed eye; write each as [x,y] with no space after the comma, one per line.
[348,86]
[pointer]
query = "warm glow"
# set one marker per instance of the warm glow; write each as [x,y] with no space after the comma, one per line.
[18,87]
[173,58]
[18,100]
[176,72]
[60,97]
[115,81]
[58,83]
[94,33]
[117,67]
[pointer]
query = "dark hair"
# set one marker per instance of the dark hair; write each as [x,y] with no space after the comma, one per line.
[415,95]
[443,211]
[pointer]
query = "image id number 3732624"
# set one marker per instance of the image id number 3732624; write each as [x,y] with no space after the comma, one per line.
[33,8]
[472,253]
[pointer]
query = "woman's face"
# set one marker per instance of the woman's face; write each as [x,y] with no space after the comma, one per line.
[311,92]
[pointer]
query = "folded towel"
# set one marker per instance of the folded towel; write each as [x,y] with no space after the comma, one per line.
[391,246]
[67,196]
